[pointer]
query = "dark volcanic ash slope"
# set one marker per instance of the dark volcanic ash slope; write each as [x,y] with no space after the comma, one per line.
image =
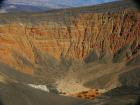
[73,49]
[19,94]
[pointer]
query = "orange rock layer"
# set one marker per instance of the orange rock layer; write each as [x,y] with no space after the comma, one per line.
[73,37]
[91,94]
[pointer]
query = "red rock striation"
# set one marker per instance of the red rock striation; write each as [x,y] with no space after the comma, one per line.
[84,36]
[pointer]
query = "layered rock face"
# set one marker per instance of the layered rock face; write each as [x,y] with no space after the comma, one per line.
[84,35]
[74,51]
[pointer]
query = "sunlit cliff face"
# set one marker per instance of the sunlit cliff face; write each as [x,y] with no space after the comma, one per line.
[87,37]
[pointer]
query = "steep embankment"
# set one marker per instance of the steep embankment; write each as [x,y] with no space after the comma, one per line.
[63,45]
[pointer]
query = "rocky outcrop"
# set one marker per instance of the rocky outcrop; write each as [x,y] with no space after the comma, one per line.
[48,45]
[107,35]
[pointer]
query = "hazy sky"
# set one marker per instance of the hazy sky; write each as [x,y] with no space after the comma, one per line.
[58,3]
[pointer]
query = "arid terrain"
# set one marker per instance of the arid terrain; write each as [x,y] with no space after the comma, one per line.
[76,56]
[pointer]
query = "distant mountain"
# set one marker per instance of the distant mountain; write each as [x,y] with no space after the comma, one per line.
[21,7]
[43,5]
[58,3]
